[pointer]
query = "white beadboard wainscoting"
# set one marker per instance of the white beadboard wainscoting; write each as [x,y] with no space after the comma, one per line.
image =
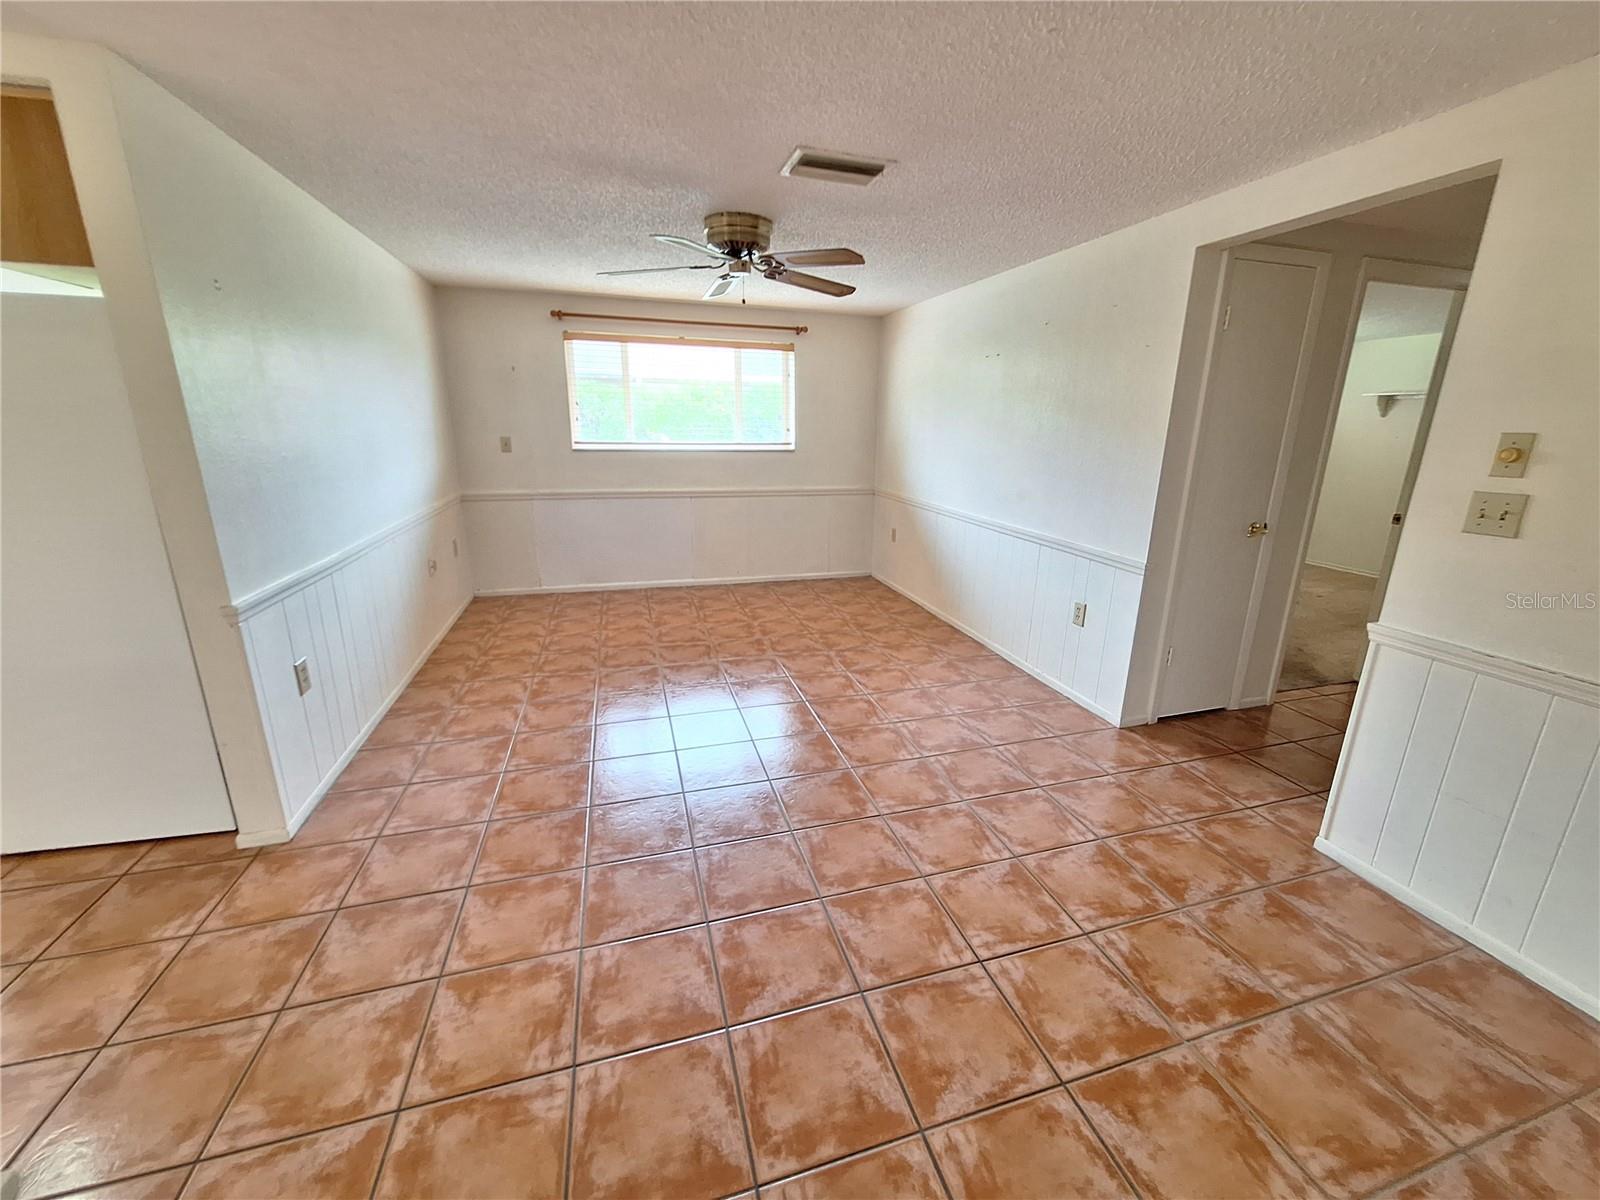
[560,540]
[364,620]
[1014,591]
[1467,788]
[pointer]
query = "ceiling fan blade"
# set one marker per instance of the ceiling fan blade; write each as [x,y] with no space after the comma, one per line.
[672,239]
[720,287]
[653,270]
[814,283]
[836,257]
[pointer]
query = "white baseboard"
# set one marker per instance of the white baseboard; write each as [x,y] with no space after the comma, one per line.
[1512,958]
[273,837]
[1328,566]
[1076,697]
[668,583]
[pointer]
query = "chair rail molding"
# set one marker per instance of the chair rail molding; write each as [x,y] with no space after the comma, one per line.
[1078,549]
[247,605]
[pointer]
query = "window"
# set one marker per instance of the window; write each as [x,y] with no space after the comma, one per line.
[645,393]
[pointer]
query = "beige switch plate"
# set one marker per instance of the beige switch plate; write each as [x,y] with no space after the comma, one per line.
[1521,442]
[1496,514]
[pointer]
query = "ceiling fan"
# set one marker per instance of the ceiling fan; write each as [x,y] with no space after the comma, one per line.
[738,242]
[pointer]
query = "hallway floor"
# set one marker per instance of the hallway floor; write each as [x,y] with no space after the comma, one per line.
[687,892]
[1328,628]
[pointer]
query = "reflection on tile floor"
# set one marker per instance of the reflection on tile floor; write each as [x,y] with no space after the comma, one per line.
[689,892]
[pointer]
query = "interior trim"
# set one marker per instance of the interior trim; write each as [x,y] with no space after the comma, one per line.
[1513,958]
[277,836]
[1541,679]
[727,580]
[1031,535]
[246,606]
[657,493]
[1067,692]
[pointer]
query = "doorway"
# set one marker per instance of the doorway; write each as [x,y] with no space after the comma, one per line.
[1269,306]
[1405,321]
[1263,594]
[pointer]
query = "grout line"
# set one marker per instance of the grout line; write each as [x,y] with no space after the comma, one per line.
[276,1017]
[433,996]
[485,643]
[860,996]
[727,1031]
[1176,907]
[568,1154]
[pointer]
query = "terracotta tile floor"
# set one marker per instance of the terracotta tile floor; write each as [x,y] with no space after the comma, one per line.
[794,888]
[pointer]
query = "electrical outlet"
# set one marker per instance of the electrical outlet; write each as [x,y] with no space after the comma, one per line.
[505,445]
[433,567]
[1080,613]
[302,675]
[1496,514]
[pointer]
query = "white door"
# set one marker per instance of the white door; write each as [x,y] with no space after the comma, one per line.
[106,737]
[1254,378]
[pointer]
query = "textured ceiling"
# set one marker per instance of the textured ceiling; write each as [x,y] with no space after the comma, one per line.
[533,144]
[1399,310]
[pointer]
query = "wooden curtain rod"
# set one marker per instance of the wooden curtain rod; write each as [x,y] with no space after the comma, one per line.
[561,315]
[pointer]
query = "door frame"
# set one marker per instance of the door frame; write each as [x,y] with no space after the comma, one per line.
[1321,263]
[1373,270]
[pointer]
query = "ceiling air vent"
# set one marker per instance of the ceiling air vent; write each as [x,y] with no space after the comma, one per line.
[808,163]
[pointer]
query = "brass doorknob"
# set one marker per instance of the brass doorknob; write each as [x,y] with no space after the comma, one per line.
[1256,529]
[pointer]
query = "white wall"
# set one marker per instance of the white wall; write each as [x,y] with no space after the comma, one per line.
[305,351]
[281,372]
[1368,456]
[306,357]
[105,732]
[1042,398]
[548,516]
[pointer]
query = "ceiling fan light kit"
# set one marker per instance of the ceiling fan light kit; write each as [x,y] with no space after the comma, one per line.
[738,242]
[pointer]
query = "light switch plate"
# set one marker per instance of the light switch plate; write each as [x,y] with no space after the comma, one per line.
[1080,613]
[302,675]
[505,444]
[1496,514]
[1520,444]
